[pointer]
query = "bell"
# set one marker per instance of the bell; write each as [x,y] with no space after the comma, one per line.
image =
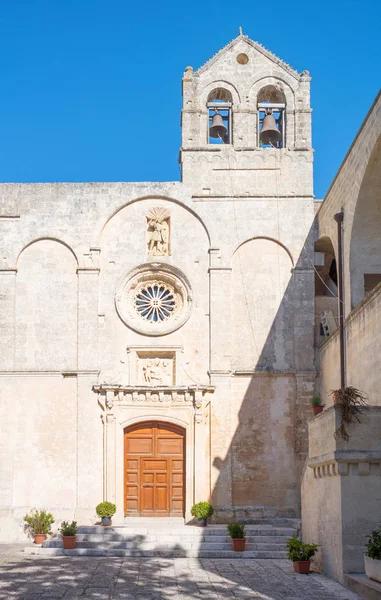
[269,132]
[217,128]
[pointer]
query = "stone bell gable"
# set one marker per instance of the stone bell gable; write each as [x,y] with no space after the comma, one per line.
[242,79]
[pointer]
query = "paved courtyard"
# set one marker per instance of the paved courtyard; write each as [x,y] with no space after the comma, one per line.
[35,577]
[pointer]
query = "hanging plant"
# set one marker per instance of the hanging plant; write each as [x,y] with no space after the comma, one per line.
[349,402]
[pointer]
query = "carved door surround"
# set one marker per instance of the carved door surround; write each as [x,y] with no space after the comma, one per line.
[185,406]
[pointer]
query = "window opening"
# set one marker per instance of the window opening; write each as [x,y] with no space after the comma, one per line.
[155,302]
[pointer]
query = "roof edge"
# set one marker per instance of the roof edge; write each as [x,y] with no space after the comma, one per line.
[267,53]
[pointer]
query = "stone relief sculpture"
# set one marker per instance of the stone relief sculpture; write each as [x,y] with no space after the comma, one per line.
[155,371]
[158,232]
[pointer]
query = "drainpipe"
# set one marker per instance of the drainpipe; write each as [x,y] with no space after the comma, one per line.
[339,217]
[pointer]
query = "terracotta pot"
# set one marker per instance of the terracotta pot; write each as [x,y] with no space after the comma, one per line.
[302,566]
[316,410]
[106,521]
[39,538]
[239,544]
[69,542]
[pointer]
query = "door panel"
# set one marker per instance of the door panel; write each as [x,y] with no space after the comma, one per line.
[154,470]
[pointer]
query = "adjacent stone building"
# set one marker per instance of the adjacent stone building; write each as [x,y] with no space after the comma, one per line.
[158,338]
[341,487]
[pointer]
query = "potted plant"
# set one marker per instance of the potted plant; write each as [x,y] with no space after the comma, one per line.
[106,510]
[202,510]
[237,534]
[301,554]
[69,533]
[317,404]
[38,524]
[373,555]
[349,402]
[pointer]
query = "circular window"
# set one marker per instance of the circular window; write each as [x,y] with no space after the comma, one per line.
[242,59]
[154,299]
[155,302]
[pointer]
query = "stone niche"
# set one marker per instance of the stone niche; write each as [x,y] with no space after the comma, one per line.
[153,366]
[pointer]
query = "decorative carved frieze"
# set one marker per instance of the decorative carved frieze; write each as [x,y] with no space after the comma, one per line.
[195,397]
[346,462]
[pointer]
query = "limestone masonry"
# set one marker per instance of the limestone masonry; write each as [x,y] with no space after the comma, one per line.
[157,339]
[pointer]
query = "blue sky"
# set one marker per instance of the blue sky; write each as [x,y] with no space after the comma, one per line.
[91,90]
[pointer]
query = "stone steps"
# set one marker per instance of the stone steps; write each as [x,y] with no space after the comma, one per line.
[165,545]
[151,553]
[171,540]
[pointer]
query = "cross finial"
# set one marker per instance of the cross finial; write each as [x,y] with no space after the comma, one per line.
[240,31]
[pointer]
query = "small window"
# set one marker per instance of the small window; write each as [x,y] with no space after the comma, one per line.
[371,280]
[219,107]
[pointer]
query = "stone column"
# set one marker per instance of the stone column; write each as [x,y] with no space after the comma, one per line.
[87,318]
[7,323]
[201,450]
[220,377]
[110,450]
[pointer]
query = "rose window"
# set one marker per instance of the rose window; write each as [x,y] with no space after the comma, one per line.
[155,302]
[154,299]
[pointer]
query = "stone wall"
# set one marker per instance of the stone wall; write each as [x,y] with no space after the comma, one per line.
[362,348]
[236,246]
[341,488]
[354,187]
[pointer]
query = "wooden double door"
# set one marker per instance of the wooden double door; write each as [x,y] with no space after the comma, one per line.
[154,455]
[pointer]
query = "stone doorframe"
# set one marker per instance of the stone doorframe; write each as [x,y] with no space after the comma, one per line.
[188,407]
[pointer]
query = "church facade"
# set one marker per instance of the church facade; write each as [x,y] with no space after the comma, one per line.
[158,338]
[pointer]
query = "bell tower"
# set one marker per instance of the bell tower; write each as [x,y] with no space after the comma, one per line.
[246,125]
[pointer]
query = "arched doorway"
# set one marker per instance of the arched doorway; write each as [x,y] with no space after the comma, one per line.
[154,477]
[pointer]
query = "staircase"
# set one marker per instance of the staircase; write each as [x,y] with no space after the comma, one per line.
[165,538]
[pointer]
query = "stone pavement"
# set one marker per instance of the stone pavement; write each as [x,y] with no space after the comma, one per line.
[34,577]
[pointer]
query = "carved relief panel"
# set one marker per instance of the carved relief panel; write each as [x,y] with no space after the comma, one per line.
[158,232]
[156,368]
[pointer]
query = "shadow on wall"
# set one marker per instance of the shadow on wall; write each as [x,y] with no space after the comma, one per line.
[274,373]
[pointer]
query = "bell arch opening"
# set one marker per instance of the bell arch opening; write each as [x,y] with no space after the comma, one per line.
[271,104]
[154,469]
[219,105]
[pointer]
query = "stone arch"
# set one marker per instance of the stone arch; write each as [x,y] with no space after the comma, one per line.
[53,239]
[262,237]
[125,237]
[365,242]
[280,85]
[261,305]
[220,94]
[46,306]
[270,93]
[125,424]
[223,86]
[157,197]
